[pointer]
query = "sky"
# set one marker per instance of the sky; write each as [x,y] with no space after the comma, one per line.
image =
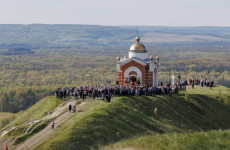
[117,12]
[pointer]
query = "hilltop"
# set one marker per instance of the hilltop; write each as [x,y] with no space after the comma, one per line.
[97,124]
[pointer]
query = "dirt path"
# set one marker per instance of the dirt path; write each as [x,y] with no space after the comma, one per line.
[45,132]
[6,131]
[57,111]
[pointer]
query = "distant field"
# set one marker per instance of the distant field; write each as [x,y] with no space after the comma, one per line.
[159,37]
[93,36]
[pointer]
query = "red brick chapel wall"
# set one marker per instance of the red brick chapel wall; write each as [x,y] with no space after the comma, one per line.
[148,77]
[130,64]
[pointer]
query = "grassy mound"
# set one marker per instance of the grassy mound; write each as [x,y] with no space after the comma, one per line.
[104,123]
[213,140]
[127,117]
[37,111]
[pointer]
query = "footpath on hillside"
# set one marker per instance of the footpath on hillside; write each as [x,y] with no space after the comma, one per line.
[35,139]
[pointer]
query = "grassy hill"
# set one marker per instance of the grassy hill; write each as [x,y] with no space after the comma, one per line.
[145,122]
[23,125]
[129,117]
[212,140]
[37,111]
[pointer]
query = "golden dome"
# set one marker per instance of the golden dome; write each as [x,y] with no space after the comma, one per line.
[151,57]
[118,58]
[157,58]
[138,46]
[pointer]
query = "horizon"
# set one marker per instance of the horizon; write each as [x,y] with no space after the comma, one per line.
[108,25]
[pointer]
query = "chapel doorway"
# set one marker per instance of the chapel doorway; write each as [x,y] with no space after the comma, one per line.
[133,80]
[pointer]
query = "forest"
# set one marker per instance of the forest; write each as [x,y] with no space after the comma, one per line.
[52,61]
[25,79]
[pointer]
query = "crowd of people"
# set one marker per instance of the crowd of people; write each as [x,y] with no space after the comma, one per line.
[203,83]
[106,92]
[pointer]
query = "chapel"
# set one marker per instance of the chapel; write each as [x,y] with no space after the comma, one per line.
[138,68]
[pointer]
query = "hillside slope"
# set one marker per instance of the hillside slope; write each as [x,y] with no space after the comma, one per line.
[29,119]
[37,111]
[125,120]
[127,117]
[60,114]
[212,140]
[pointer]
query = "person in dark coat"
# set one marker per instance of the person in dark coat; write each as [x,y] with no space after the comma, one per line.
[107,98]
[170,91]
[193,84]
[70,108]
[76,96]
[74,108]
[211,85]
[94,94]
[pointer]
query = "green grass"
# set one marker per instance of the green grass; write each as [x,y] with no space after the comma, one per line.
[207,91]
[37,111]
[33,126]
[17,131]
[33,131]
[213,140]
[220,92]
[128,117]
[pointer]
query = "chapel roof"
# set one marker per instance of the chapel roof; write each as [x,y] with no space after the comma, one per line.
[138,47]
